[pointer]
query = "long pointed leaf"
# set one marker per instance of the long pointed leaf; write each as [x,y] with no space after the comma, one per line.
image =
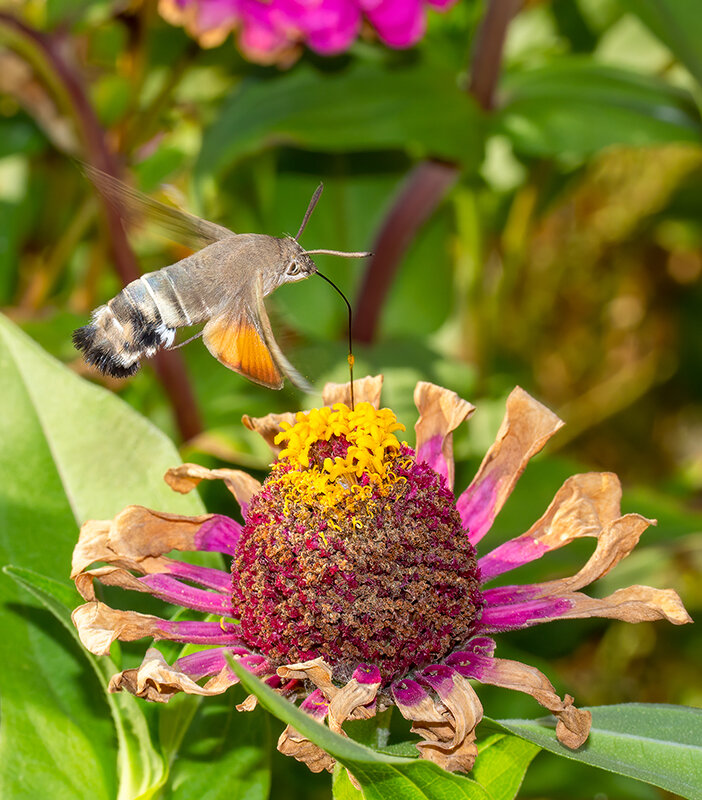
[654,743]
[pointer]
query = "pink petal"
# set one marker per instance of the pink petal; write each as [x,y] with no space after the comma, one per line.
[400,23]
[174,591]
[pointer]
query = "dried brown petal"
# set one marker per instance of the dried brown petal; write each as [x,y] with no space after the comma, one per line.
[440,413]
[317,671]
[292,743]
[633,604]
[157,681]
[365,390]
[614,544]
[464,710]
[99,625]
[135,539]
[269,427]
[573,724]
[447,726]
[350,701]
[525,429]
[186,477]
[248,704]
[585,505]
[109,576]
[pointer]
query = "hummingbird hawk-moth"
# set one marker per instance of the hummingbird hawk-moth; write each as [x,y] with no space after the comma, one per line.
[221,284]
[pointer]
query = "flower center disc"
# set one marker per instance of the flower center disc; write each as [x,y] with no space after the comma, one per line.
[354,551]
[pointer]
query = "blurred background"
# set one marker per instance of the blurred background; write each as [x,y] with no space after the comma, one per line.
[529,177]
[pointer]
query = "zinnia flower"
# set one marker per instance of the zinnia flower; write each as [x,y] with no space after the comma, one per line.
[272,30]
[355,583]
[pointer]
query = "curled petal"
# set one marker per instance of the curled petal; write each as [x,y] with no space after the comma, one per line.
[415,703]
[525,429]
[440,413]
[573,724]
[316,671]
[613,545]
[293,743]
[139,536]
[99,625]
[137,539]
[358,692]
[155,680]
[364,390]
[447,726]
[185,477]
[269,427]
[633,604]
[465,710]
[584,506]
[249,704]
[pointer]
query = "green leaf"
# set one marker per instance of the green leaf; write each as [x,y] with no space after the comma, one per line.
[678,24]
[381,775]
[654,743]
[342,788]
[502,763]
[574,107]
[366,107]
[141,768]
[70,451]
[226,753]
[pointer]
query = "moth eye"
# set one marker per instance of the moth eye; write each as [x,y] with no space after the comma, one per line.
[293,269]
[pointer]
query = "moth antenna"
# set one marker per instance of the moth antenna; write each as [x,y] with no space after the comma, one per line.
[350,357]
[310,208]
[341,253]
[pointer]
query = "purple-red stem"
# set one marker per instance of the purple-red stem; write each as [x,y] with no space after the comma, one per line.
[168,365]
[429,181]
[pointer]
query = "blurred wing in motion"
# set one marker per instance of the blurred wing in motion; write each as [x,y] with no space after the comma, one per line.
[137,209]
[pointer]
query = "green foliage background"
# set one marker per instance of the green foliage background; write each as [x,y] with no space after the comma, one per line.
[564,255]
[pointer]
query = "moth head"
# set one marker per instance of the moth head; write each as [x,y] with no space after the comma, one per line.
[298,265]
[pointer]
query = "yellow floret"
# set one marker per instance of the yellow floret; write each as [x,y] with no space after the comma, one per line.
[373,451]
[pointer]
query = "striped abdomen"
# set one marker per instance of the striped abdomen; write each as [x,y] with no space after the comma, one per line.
[142,318]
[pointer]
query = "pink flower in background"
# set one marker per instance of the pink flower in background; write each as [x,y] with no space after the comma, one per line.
[273,31]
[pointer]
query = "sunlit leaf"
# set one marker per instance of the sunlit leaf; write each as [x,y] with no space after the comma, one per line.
[575,107]
[140,767]
[501,765]
[70,451]
[654,743]
[677,23]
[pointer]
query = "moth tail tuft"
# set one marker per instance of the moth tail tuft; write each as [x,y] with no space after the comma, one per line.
[99,351]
